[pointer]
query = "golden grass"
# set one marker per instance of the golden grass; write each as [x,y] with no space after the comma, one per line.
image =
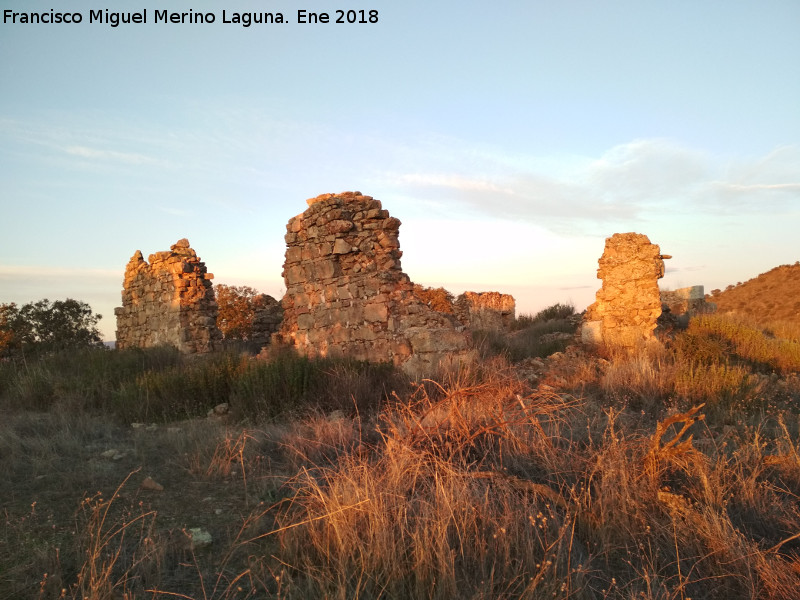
[671,474]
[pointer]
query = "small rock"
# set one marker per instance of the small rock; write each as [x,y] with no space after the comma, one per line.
[199,538]
[150,484]
[112,454]
[220,410]
[218,511]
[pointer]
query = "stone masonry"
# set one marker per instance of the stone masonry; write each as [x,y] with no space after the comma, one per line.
[168,300]
[267,318]
[486,310]
[347,295]
[684,303]
[627,306]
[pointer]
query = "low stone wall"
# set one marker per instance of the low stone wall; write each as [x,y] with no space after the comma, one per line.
[628,304]
[346,293]
[684,303]
[486,310]
[169,300]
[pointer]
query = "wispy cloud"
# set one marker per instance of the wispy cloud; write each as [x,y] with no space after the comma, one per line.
[113,155]
[457,182]
[177,212]
[8,271]
[637,181]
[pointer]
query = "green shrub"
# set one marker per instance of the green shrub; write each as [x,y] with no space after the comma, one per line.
[556,312]
[161,384]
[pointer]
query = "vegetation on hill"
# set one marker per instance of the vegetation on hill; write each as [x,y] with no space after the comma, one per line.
[670,473]
[772,296]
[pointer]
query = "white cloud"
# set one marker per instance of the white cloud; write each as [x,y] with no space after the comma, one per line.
[457,182]
[125,157]
[643,180]
[8,271]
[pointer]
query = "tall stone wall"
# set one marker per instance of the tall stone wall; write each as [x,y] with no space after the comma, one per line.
[486,310]
[347,295]
[627,306]
[168,300]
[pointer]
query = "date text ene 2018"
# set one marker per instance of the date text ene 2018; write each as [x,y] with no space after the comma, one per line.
[342,16]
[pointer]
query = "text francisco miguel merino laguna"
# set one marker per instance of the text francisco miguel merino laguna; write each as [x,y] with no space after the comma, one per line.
[245,19]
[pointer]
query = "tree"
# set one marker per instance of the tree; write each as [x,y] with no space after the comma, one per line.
[439,299]
[238,306]
[46,326]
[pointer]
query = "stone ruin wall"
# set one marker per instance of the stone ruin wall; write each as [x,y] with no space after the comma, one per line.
[267,319]
[347,295]
[628,304]
[168,299]
[684,303]
[486,310]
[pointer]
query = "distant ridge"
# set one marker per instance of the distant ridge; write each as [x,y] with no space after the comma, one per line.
[774,295]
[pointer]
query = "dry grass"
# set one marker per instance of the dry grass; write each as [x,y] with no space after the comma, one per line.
[769,297]
[670,474]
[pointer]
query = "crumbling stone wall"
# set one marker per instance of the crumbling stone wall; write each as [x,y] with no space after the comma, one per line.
[347,295]
[267,318]
[683,303]
[168,300]
[627,306]
[486,310]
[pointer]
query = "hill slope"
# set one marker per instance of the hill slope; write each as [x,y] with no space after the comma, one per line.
[774,295]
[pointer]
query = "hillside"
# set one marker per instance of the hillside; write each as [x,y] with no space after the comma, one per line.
[774,295]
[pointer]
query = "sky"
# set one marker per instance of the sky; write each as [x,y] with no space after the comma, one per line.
[510,138]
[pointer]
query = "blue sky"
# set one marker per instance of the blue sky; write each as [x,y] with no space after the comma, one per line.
[510,139]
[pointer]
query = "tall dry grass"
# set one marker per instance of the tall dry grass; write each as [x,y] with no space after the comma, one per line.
[671,474]
[487,493]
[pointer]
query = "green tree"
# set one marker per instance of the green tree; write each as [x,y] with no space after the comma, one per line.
[46,326]
[238,305]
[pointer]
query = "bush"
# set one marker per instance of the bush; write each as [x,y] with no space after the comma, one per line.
[439,299]
[556,312]
[161,384]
